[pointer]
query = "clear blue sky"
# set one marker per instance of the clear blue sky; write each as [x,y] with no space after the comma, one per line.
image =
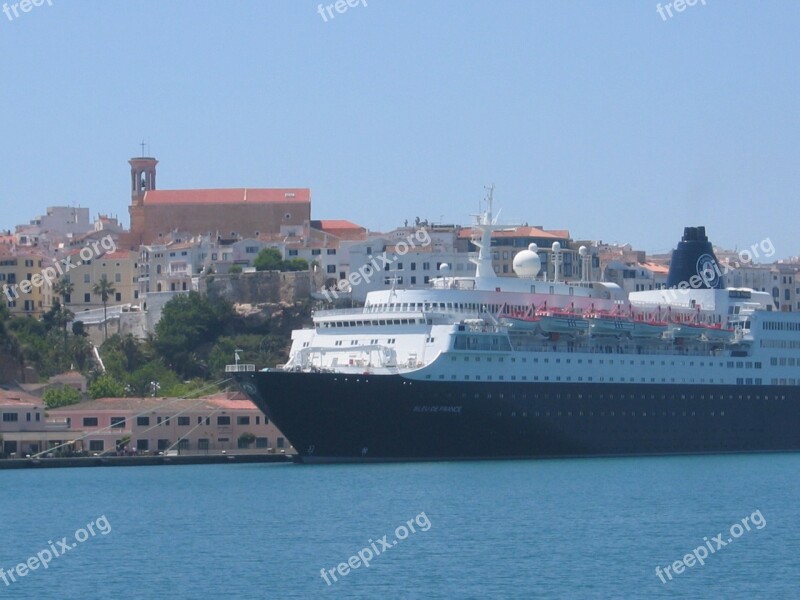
[597,117]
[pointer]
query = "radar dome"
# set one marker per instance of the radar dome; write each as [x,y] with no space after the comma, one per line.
[527,263]
[444,267]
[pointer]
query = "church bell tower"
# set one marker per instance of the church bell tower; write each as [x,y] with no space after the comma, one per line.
[143,180]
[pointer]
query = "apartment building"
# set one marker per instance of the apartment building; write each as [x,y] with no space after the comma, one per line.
[21,284]
[121,269]
[23,427]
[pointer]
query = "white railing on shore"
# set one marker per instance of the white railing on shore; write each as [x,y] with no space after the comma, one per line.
[95,315]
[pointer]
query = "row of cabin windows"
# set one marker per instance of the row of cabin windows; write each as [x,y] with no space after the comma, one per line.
[739,364]
[450,306]
[602,396]
[739,380]
[784,361]
[611,413]
[607,396]
[374,322]
[784,344]
[779,326]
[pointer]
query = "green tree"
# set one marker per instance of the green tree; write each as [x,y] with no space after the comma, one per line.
[234,269]
[104,288]
[81,352]
[106,386]
[37,345]
[64,289]
[61,396]
[189,326]
[63,317]
[9,344]
[152,379]
[296,264]
[246,439]
[268,259]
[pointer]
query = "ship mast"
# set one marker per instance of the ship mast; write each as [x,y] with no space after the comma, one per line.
[484,225]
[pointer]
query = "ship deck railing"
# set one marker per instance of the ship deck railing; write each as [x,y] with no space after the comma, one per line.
[625,349]
[240,368]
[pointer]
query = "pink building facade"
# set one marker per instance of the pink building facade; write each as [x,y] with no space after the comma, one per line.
[223,423]
[24,426]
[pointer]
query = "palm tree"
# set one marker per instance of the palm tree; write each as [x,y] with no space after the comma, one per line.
[64,288]
[82,352]
[130,348]
[104,288]
[64,316]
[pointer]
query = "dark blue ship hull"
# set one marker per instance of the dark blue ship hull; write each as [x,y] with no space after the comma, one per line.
[345,418]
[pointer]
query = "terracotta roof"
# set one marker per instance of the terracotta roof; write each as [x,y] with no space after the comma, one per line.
[210,403]
[182,245]
[227,196]
[18,398]
[655,267]
[335,224]
[555,234]
[68,375]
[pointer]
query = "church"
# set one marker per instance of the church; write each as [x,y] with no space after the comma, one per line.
[227,213]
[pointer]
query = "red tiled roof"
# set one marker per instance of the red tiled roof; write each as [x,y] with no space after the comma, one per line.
[68,375]
[208,403]
[227,196]
[655,267]
[9,398]
[335,224]
[556,234]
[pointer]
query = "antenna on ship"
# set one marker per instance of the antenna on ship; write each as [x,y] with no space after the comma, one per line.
[393,288]
[583,251]
[484,226]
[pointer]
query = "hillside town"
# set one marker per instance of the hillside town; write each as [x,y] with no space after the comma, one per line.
[262,252]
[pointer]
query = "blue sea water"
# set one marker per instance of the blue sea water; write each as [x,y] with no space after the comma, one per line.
[583,528]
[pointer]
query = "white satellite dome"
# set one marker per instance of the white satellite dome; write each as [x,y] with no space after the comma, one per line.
[527,263]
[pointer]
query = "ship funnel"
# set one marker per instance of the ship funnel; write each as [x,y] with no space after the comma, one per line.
[693,262]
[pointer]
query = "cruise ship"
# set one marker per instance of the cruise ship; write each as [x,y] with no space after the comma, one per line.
[489,367]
